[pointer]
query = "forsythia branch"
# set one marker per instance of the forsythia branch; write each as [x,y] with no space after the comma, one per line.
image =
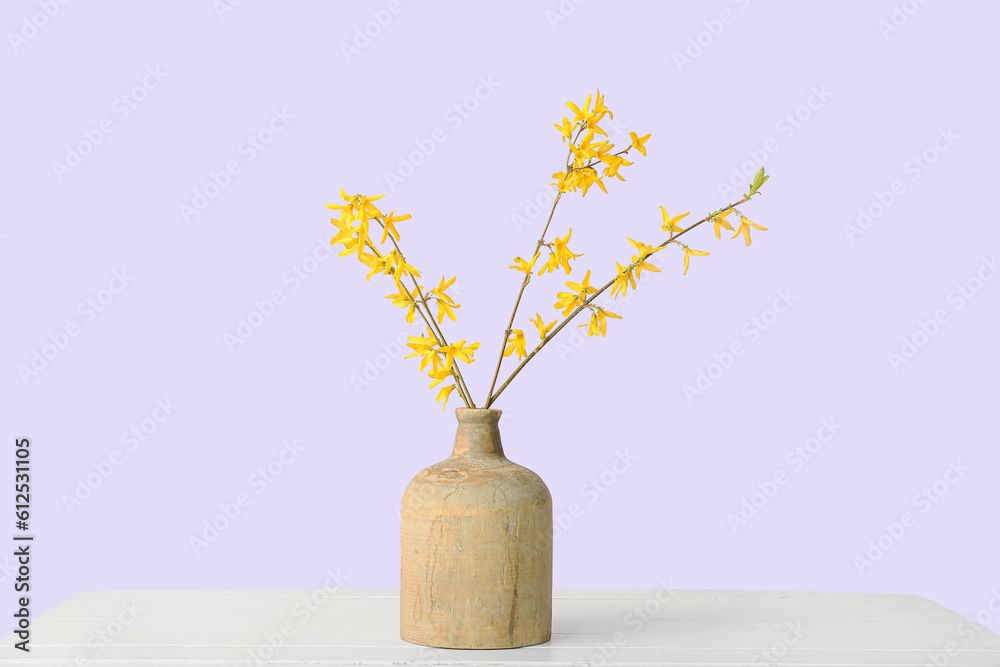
[463,390]
[493,397]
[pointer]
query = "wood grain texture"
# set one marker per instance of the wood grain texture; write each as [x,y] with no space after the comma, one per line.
[476,547]
[236,628]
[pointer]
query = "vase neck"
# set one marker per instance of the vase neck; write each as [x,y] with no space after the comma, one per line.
[478,433]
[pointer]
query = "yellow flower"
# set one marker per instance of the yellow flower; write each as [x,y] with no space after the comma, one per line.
[425,347]
[402,269]
[517,342]
[599,321]
[445,391]
[687,255]
[366,208]
[343,195]
[458,350]
[346,210]
[581,153]
[389,263]
[599,107]
[371,261]
[561,182]
[583,288]
[566,128]
[521,265]
[637,142]
[543,329]
[442,286]
[744,229]
[585,150]
[592,118]
[438,376]
[377,264]
[719,220]
[640,259]
[567,302]
[388,228]
[354,238]
[593,324]
[354,245]
[344,232]
[614,162]
[570,300]
[358,207]
[581,116]
[670,224]
[582,177]
[587,177]
[446,309]
[623,280]
[404,300]
[444,302]
[604,152]
[559,255]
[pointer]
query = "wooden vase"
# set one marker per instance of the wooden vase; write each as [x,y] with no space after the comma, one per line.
[476,558]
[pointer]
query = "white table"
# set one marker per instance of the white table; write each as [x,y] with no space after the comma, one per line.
[618,627]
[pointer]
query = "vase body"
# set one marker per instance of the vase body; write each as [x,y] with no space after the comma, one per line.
[476,552]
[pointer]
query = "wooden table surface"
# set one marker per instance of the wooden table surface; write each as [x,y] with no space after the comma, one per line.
[240,627]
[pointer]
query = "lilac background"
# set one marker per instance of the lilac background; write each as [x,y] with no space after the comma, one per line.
[334,506]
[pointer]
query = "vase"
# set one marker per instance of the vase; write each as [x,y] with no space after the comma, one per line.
[476,554]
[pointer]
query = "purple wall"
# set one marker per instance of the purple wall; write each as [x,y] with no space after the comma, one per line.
[862,410]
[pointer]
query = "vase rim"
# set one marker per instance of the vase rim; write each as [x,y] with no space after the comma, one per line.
[478,415]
